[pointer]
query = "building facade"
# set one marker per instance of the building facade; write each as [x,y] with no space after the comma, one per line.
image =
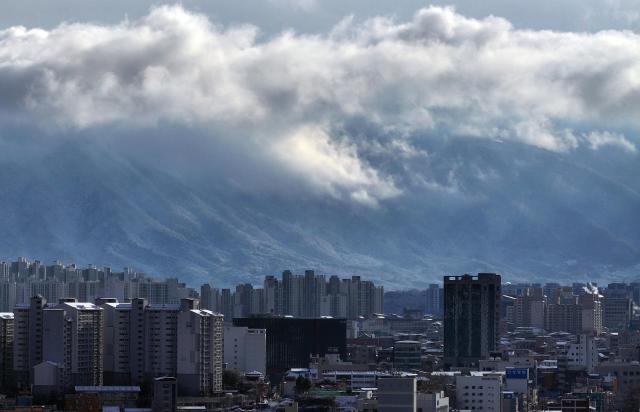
[292,341]
[245,349]
[471,317]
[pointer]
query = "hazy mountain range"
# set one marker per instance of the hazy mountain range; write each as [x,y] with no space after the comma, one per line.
[469,205]
[398,147]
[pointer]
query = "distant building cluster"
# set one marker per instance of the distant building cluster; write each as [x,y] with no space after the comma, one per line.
[496,347]
[23,279]
[305,342]
[306,296]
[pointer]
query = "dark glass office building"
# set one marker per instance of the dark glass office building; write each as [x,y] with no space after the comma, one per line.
[471,318]
[292,341]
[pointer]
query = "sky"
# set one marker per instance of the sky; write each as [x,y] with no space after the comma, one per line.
[317,16]
[237,74]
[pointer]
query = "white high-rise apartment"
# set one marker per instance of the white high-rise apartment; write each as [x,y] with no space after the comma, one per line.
[73,336]
[143,342]
[200,347]
[84,342]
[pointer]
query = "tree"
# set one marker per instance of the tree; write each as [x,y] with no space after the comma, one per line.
[230,379]
[302,385]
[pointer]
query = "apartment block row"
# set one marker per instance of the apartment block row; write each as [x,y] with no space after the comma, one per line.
[52,348]
[306,296]
[22,279]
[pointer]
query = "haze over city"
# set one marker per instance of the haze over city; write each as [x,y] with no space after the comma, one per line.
[320,205]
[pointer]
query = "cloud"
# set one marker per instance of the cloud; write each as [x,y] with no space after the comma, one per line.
[287,96]
[599,139]
[333,167]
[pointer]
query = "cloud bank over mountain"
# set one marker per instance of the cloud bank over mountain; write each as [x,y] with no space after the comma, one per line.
[364,115]
[439,71]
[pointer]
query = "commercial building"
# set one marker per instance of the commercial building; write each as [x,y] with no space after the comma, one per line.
[400,394]
[355,380]
[407,355]
[480,391]
[397,394]
[583,354]
[432,402]
[245,349]
[6,351]
[292,341]
[471,317]
[626,378]
[576,405]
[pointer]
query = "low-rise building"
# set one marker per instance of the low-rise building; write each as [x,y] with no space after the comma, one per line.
[479,391]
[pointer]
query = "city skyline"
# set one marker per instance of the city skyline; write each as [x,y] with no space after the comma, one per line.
[124,338]
[300,271]
[320,206]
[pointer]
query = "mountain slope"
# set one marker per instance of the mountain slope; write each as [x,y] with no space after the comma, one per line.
[467,206]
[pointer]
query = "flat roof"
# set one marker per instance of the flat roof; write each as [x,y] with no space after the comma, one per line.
[204,312]
[82,305]
[163,306]
[107,389]
[364,373]
[119,305]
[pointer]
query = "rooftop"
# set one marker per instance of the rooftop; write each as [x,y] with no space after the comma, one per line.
[107,389]
[119,305]
[82,305]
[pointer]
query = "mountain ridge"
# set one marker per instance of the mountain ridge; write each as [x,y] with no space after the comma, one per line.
[477,205]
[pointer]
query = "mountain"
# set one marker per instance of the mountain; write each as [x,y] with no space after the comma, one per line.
[466,205]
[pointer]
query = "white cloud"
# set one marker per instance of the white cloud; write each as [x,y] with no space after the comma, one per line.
[333,167]
[440,71]
[598,139]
